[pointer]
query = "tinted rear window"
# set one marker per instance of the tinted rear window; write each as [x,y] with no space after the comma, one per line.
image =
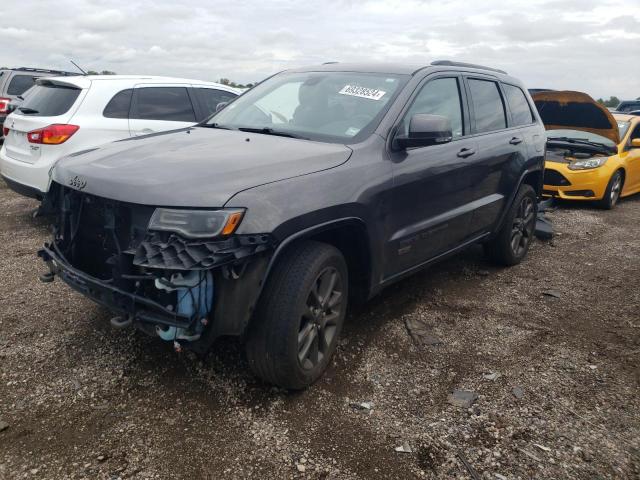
[518,105]
[118,106]
[209,98]
[20,84]
[487,105]
[163,103]
[49,100]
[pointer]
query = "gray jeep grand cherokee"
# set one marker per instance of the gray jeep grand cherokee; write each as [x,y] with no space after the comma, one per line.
[316,188]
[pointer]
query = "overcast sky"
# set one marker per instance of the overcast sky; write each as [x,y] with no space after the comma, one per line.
[586,45]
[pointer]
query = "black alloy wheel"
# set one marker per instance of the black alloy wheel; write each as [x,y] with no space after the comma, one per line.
[299,316]
[318,322]
[511,242]
[523,226]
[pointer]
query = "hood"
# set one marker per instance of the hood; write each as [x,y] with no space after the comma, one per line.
[195,167]
[575,111]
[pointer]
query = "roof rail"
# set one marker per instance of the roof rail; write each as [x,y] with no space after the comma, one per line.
[43,70]
[449,63]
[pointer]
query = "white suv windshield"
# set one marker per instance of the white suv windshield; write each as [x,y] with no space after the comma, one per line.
[324,106]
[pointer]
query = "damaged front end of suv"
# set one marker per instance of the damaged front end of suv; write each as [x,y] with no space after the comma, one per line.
[179,274]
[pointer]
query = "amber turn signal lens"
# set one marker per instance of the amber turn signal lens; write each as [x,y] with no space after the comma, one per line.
[52,135]
[232,223]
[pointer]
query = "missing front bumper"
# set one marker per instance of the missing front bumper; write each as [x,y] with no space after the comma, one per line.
[138,307]
[237,292]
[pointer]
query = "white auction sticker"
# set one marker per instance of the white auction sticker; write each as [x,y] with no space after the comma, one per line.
[356,91]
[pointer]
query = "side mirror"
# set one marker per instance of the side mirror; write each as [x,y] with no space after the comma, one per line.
[425,130]
[220,106]
[635,143]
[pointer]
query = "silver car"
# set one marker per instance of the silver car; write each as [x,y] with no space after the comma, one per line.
[14,82]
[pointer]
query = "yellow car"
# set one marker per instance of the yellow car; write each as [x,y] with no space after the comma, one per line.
[592,154]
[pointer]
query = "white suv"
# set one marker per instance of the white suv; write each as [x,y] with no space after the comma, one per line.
[62,115]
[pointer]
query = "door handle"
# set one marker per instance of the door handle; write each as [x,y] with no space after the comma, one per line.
[515,140]
[466,152]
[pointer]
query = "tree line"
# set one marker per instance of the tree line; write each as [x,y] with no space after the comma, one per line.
[226,81]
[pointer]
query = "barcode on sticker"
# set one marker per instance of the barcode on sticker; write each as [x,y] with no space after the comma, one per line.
[356,91]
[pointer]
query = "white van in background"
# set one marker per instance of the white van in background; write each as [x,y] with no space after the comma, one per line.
[62,115]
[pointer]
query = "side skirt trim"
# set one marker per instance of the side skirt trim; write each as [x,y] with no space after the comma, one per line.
[398,276]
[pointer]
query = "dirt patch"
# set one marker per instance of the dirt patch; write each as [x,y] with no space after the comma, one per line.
[84,401]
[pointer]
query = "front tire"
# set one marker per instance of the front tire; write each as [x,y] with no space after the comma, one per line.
[612,193]
[299,316]
[511,244]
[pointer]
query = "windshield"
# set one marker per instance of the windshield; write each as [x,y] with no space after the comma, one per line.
[341,107]
[628,107]
[580,135]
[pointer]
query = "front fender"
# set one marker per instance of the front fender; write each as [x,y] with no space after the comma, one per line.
[311,231]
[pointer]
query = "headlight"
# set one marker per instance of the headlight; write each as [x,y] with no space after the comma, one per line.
[593,162]
[196,223]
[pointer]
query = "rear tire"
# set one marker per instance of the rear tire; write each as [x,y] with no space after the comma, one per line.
[612,193]
[299,317]
[511,244]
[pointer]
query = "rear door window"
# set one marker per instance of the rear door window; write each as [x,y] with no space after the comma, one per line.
[488,109]
[518,106]
[118,106]
[209,98]
[163,103]
[20,84]
[49,100]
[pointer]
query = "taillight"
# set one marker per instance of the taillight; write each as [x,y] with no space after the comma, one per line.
[5,131]
[4,104]
[53,134]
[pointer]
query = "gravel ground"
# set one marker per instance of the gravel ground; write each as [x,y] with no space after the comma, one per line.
[556,375]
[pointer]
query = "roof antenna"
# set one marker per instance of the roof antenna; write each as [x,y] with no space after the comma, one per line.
[76,65]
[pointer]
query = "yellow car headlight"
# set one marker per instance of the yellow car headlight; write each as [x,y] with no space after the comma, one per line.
[588,163]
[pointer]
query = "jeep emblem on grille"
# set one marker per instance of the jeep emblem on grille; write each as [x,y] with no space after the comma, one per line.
[78,182]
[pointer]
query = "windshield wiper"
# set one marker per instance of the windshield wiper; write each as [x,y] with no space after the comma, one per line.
[27,110]
[214,125]
[270,131]
[578,140]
